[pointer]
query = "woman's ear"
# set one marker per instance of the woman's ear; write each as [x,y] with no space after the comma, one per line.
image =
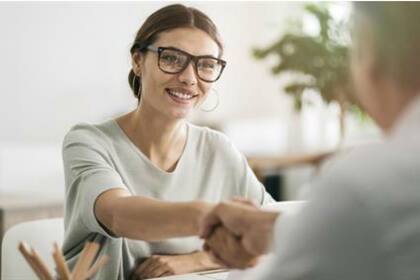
[136,61]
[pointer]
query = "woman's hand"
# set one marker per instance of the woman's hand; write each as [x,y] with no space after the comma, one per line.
[252,226]
[166,265]
[227,249]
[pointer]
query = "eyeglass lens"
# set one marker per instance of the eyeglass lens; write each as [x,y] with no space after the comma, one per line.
[173,61]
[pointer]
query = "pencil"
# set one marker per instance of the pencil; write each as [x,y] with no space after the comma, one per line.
[88,256]
[42,266]
[101,262]
[28,257]
[80,264]
[61,264]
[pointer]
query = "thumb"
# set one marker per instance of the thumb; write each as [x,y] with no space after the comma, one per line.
[207,224]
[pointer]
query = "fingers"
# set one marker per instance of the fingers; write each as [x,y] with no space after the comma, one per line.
[216,258]
[142,266]
[231,215]
[225,213]
[258,239]
[151,268]
[206,247]
[139,270]
[231,237]
[211,220]
[226,248]
[158,271]
[166,274]
[213,245]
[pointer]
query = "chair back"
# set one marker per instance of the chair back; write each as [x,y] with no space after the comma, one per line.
[39,234]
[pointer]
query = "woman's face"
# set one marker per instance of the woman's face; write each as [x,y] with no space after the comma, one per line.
[175,95]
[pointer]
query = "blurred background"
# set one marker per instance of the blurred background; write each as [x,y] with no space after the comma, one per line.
[62,63]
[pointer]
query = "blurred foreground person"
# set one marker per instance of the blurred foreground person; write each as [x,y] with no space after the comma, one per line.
[362,220]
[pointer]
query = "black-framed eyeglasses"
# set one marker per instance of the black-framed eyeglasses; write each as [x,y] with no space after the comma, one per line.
[173,61]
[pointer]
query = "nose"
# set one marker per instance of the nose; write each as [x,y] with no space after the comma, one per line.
[188,76]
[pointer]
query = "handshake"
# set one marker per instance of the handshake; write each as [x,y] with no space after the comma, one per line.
[237,232]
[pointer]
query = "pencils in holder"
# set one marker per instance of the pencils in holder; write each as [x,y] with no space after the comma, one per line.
[62,268]
[84,268]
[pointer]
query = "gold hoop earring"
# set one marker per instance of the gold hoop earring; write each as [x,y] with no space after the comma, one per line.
[215,106]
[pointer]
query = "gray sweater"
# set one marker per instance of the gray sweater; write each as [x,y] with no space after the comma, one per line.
[100,157]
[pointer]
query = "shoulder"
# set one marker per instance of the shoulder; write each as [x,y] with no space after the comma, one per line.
[212,140]
[88,134]
[361,170]
[209,135]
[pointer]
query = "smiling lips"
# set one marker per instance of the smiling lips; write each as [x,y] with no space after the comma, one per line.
[182,96]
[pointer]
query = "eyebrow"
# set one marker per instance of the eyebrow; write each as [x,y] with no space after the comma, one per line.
[210,55]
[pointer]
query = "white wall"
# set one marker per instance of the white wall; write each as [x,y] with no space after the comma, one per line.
[63,63]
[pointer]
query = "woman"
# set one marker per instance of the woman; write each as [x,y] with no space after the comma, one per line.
[142,182]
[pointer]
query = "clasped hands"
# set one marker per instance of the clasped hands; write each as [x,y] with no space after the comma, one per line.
[237,232]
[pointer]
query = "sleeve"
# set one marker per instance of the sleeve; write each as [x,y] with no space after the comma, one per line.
[248,184]
[88,173]
[254,189]
[333,237]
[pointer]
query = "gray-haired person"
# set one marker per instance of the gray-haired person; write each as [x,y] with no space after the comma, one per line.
[362,220]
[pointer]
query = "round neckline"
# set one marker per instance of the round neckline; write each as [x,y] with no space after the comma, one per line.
[145,158]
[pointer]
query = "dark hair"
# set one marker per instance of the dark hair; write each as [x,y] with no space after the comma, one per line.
[396,38]
[166,18]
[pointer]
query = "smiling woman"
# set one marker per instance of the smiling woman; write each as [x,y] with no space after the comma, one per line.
[143,181]
[167,66]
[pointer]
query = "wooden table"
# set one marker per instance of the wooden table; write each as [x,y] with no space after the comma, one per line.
[279,162]
[268,169]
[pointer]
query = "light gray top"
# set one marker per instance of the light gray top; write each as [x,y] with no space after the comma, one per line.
[100,157]
[363,219]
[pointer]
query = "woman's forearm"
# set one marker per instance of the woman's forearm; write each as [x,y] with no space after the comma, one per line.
[205,262]
[149,219]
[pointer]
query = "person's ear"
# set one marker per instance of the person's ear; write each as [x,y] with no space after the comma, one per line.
[369,56]
[364,59]
[136,63]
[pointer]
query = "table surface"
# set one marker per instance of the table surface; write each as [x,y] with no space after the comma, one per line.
[286,161]
[222,275]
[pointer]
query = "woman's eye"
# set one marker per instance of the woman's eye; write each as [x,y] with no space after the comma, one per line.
[207,65]
[169,58]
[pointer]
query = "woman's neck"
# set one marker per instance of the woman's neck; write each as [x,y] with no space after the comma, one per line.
[161,139]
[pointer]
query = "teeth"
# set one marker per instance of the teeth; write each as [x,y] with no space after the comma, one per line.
[180,95]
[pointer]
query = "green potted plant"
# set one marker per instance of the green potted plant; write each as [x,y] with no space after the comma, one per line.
[320,61]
